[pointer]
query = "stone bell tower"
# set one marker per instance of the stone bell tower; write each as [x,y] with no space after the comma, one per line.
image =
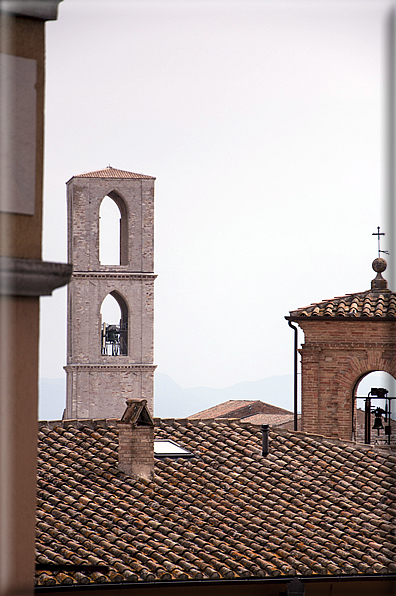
[108,364]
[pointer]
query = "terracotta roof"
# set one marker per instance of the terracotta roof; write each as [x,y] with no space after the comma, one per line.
[377,303]
[362,305]
[239,408]
[110,172]
[271,419]
[312,507]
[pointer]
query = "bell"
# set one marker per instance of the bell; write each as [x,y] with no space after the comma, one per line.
[379,392]
[378,419]
[377,424]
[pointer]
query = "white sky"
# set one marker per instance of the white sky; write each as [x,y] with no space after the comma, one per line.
[263,124]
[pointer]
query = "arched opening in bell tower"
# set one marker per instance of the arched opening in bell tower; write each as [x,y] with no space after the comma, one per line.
[113,230]
[114,325]
[374,411]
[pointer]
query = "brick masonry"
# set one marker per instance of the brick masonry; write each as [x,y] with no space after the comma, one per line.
[98,385]
[136,450]
[335,356]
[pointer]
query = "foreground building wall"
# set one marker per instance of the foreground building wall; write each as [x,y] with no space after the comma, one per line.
[24,277]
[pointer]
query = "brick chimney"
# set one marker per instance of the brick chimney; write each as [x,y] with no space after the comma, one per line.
[136,440]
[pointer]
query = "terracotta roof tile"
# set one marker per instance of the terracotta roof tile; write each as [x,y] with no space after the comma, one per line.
[238,408]
[365,304]
[378,302]
[110,172]
[271,419]
[226,513]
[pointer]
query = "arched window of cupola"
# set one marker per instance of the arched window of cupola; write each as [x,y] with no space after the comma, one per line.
[113,228]
[114,325]
[366,387]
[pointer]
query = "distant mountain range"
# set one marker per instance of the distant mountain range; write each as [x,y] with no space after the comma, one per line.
[171,401]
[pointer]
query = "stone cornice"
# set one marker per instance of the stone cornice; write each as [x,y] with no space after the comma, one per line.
[111,275]
[44,10]
[119,367]
[29,277]
[345,319]
[366,345]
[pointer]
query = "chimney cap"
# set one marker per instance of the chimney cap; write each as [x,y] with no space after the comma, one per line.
[137,413]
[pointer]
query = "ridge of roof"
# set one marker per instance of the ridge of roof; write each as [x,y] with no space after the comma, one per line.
[103,423]
[110,172]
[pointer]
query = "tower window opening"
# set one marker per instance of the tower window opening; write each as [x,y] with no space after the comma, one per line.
[109,232]
[114,327]
[375,409]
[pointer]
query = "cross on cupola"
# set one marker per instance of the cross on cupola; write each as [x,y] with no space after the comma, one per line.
[379,284]
[379,234]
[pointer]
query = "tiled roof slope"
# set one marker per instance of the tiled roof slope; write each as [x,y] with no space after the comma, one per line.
[110,172]
[238,408]
[365,304]
[313,506]
[271,419]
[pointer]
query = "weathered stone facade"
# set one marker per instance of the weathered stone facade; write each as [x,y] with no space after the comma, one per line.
[99,384]
[345,339]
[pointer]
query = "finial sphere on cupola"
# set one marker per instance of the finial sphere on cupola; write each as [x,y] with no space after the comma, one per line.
[379,284]
[379,265]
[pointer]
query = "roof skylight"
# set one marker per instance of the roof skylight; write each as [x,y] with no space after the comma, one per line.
[166,448]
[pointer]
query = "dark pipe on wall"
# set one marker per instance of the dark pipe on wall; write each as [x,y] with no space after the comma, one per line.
[295,371]
[265,431]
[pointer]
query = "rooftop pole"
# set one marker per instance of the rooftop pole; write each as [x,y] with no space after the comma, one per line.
[390,128]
